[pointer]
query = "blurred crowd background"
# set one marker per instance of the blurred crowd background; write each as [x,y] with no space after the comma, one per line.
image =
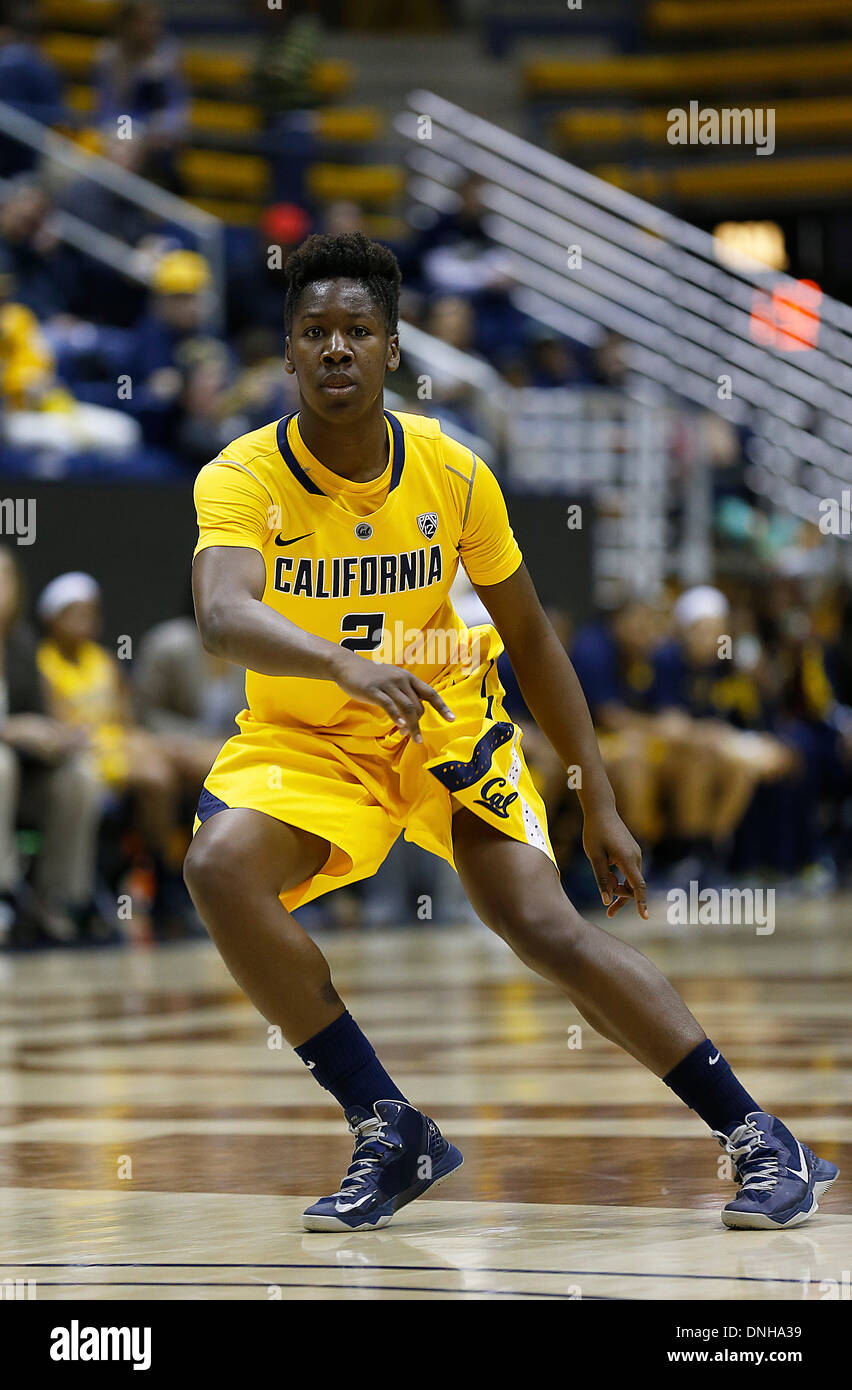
[157,164]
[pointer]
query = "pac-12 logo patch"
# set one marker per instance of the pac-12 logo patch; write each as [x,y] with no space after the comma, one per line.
[363,530]
[428,523]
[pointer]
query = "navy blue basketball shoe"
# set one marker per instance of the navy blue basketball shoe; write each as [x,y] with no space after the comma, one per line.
[399,1154]
[780,1180]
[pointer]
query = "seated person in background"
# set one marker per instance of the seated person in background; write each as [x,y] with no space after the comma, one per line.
[222,399]
[101,292]
[256,283]
[797,682]
[46,779]
[455,255]
[613,659]
[203,425]
[139,75]
[165,341]
[187,697]
[27,82]
[710,713]
[553,361]
[451,319]
[86,691]
[43,268]
[39,412]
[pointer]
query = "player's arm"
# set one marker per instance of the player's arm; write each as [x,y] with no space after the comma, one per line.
[555,699]
[227,586]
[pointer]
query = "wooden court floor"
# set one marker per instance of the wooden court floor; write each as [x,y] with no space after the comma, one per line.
[154,1145]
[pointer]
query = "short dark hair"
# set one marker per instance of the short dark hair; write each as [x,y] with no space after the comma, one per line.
[350,256]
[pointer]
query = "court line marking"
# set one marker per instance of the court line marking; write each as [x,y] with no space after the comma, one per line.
[344,1288]
[433,1269]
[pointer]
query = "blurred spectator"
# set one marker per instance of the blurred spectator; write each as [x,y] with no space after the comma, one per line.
[451,319]
[206,372]
[256,282]
[840,652]
[166,343]
[47,782]
[455,255]
[27,82]
[32,252]
[553,361]
[343,217]
[181,689]
[221,402]
[610,361]
[101,206]
[187,697]
[39,412]
[139,76]
[261,391]
[710,713]
[614,663]
[87,692]
[797,827]
[100,292]
[686,728]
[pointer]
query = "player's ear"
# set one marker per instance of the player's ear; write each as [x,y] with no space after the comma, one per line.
[288,356]
[392,361]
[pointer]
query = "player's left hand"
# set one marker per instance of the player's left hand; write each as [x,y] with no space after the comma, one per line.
[608,844]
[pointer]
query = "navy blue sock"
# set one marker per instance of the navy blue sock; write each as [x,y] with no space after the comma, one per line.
[704,1081]
[343,1062]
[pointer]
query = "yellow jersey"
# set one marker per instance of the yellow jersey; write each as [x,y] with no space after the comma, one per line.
[86,693]
[366,565]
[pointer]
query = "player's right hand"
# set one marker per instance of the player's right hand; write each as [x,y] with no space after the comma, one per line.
[395,690]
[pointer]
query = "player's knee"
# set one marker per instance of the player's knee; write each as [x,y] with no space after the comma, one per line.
[541,937]
[213,869]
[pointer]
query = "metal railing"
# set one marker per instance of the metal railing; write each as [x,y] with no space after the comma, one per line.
[54,149]
[655,280]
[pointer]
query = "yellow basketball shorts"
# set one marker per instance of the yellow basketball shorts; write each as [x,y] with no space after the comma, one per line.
[360,792]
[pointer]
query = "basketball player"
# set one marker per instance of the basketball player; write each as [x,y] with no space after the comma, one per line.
[328,539]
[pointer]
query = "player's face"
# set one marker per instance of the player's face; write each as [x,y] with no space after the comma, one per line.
[340,349]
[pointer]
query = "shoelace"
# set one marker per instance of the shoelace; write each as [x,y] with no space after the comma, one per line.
[757,1174]
[369,1131]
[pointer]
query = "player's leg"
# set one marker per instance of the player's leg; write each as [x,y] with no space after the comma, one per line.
[236,866]
[515,889]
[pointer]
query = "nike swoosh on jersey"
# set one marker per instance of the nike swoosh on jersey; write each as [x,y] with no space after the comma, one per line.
[292,539]
[713,1060]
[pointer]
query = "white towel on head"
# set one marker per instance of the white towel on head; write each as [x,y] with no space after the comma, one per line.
[73,587]
[701,602]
